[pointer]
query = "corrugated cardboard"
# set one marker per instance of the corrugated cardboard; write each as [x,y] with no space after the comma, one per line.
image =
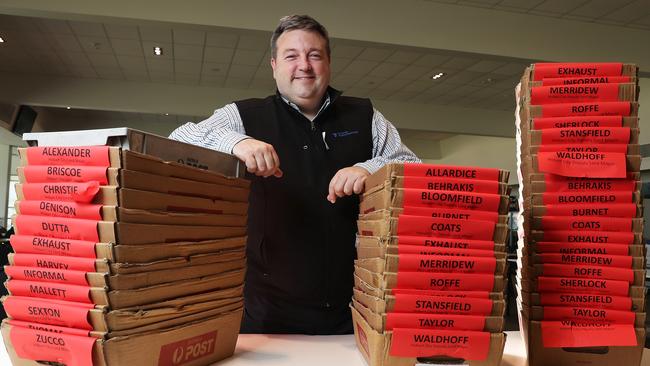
[144,253]
[126,233]
[537,313]
[396,211]
[179,263]
[113,156]
[390,263]
[536,223]
[534,299]
[178,218]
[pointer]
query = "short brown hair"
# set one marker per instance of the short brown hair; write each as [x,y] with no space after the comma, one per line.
[293,22]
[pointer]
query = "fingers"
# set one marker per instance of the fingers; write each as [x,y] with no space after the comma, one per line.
[359,184]
[346,182]
[260,158]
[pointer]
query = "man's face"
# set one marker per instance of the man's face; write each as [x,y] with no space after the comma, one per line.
[301,67]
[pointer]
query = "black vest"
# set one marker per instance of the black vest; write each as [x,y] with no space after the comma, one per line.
[300,246]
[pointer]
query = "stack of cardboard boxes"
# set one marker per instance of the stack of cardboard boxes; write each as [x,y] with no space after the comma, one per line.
[122,255]
[429,278]
[581,260]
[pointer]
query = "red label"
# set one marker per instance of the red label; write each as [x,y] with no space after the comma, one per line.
[445,281]
[604,315]
[584,285]
[49,290]
[621,185]
[48,328]
[605,135]
[446,213]
[586,80]
[586,197]
[76,192]
[469,201]
[585,148]
[593,272]
[578,122]
[187,350]
[581,333]
[437,242]
[52,246]
[47,174]
[450,171]
[584,248]
[363,339]
[576,69]
[468,345]
[587,300]
[60,209]
[46,275]
[54,262]
[434,321]
[574,93]
[462,294]
[68,155]
[595,237]
[450,184]
[56,227]
[609,210]
[408,303]
[427,263]
[583,164]
[63,313]
[416,249]
[587,109]
[620,261]
[593,223]
[45,346]
[462,229]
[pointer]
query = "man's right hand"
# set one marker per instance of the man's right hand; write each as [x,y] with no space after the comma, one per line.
[260,158]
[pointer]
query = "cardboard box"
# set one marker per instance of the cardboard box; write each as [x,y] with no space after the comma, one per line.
[586,92]
[179,263]
[537,313]
[111,175]
[631,122]
[446,214]
[578,69]
[637,303]
[566,223]
[69,155]
[196,343]
[376,348]
[391,263]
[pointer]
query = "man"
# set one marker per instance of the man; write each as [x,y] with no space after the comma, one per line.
[308,151]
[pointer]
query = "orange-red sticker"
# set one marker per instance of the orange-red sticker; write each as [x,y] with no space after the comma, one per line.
[574,93]
[604,135]
[57,291]
[467,345]
[595,314]
[583,285]
[576,69]
[586,300]
[434,321]
[583,164]
[47,328]
[68,155]
[595,237]
[621,185]
[416,249]
[450,199]
[52,246]
[54,262]
[586,80]
[449,213]
[427,263]
[450,171]
[593,223]
[41,345]
[620,261]
[452,184]
[462,294]
[63,313]
[584,248]
[584,333]
[411,303]
[77,192]
[47,174]
[445,281]
[591,271]
[438,242]
[60,209]
[577,122]
[462,229]
[188,350]
[609,210]
[587,109]
[584,148]
[586,197]
[46,275]
[56,227]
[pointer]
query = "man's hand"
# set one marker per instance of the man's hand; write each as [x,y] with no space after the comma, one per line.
[347,181]
[260,158]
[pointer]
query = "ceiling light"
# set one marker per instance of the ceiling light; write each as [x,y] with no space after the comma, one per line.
[438,76]
[2,40]
[67,107]
[157,51]
[166,114]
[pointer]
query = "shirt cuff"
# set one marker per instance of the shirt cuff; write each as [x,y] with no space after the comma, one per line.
[370,166]
[231,139]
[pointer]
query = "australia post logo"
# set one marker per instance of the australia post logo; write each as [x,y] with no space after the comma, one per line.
[187,350]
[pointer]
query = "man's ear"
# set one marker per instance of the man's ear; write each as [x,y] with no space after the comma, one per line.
[273,66]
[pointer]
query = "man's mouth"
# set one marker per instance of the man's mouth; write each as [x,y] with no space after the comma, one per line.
[303,77]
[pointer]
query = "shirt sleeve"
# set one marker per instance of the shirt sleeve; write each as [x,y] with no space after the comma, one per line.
[221,131]
[387,145]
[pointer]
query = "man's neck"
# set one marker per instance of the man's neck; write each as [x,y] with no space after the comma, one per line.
[310,112]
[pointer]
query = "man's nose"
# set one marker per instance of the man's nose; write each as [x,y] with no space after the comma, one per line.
[304,64]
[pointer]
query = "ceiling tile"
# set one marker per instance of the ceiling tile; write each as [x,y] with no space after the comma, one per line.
[485,66]
[370,81]
[189,36]
[345,81]
[136,76]
[187,79]
[403,57]
[167,50]
[394,85]
[188,52]
[214,69]
[263,84]
[559,6]
[132,63]
[403,96]
[236,82]
[247,57]
[241,71]
[66,42]
[521,4]
[95,44]
[374,54]
[160,66]
[358,92]
[629,12]
[461,77]
[359,67]
[431,60]
[122,31]
[338,63]
[102,60]
[464,90]
[87,29]
[459,63]
[644,21]
[84,72]
[386,69]
[256,43]
[18,23]
[218,54]
[512,68]
[75,58]
[109,73]
[53,26]
[161,77]
[418,86]
[188,67]
[479,2]
[596,8]
[213,81]
[155,34]
[347,51]
[222,40]
[127,47]
[377,94]
[264,73]
[413,72]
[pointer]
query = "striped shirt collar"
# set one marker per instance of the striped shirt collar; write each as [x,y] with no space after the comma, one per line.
[325,104]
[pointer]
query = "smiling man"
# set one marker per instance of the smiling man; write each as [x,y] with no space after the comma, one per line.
[308,151]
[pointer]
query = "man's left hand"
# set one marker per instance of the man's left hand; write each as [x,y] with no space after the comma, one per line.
[346,182]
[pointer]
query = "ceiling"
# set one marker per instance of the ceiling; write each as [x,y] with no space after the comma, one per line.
[238,58]
[625,13]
